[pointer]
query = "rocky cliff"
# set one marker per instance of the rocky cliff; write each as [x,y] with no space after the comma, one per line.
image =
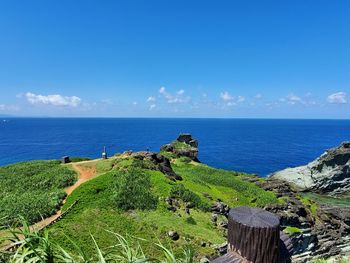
[328,174]
[184,145]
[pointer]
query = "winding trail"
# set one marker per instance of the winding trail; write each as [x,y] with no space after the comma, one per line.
[84,174]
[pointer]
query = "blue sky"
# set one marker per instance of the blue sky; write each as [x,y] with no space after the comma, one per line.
[246,59]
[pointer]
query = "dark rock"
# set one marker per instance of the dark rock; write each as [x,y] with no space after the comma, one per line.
[173,235]
[191,151]
[169,200]
[323,236]
[172,209]
[185,137]
[220,248]
[167,148]
[223,224]
[220,208]
[214,218]
[190,205]
[160,163]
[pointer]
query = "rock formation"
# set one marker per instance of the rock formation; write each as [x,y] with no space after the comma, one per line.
[324,232]
[184,145]
[159,162]
[328,174]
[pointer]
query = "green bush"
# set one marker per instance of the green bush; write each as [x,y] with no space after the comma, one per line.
[33,189]
[186,195]
[133,190]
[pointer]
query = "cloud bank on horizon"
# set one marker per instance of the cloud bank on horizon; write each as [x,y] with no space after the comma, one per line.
[164,103]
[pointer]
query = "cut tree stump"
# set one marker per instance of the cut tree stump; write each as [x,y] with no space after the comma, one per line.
[253,236]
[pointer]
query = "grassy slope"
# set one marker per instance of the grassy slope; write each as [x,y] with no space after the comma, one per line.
[95,212]
[33,189]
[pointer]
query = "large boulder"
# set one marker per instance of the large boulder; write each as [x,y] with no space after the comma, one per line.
[328,174]
[184,145]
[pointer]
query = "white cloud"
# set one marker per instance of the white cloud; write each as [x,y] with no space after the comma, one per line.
[230,100]
[162,90]
[225,96]
[177,98]
[4,107]
[151,99]
[258,96]
[152,106]
[337,98]
[180,92]
[240,99]
[135,103]
[55,100]
[293,99]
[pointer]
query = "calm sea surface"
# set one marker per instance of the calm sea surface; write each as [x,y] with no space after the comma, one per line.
[249,145]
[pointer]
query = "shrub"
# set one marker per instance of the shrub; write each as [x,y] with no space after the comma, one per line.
[33,189]
[133,190]
[186,195]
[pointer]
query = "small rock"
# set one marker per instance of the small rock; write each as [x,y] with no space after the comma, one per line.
[173,235]
[204,260]
[172,209]
[220,248]
[214,218]
[169,200]
[223,224]
[189,205]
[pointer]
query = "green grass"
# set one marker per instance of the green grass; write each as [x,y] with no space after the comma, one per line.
[222,184]
[133,190]
[128,197]
[79,159]
[290,230]
[310,205]
[97,210]
[38,246]
[181,145]
[33,189]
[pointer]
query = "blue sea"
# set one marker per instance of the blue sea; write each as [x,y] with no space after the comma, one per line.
[258,146]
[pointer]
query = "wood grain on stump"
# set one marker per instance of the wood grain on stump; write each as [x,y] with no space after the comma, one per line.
[253,235]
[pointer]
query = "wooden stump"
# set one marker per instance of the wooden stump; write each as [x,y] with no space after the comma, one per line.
[254,234]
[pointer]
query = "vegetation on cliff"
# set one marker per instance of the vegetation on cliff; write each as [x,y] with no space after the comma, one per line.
[33,189]
[175,201]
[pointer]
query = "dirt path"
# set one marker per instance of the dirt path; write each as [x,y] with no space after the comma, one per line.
[84,174]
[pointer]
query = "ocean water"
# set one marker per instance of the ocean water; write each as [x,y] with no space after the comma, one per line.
[258,146]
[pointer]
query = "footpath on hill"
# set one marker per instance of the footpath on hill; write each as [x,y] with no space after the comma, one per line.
[84,174]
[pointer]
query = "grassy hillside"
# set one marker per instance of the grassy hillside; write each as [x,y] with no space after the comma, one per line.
[128,197]
[33,189]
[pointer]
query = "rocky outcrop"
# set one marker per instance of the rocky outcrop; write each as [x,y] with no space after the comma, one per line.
[328,174]
[322,233]
[184,145]
[159,162]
